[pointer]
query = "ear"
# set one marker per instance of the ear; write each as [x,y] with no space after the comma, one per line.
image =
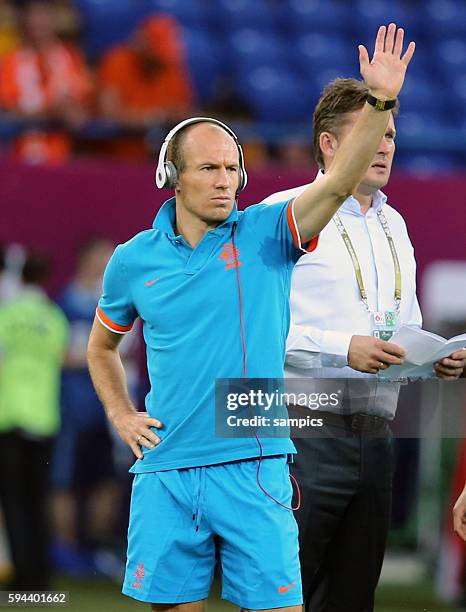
[328,144]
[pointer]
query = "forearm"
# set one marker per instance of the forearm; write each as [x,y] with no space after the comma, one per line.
[356,152]
[320,201]
[310,347]
[109,380]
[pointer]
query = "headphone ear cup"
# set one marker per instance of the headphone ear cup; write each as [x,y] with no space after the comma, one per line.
[171,175]
[241,179]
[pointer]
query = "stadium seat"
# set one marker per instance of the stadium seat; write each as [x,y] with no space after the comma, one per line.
[427,164]
[314,51]
[417,88]
[365,17]
[249,48]
[205,59]
[106,23]
[450,53]
[192,13]
[324,76]
[275,94]
[304,16]
[230,15]
[445,17]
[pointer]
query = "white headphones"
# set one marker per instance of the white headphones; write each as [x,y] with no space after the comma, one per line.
[166,173]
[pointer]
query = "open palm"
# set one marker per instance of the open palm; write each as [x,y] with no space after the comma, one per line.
[385,73]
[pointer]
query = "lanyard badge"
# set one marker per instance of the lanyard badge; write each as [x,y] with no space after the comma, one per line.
[383,323]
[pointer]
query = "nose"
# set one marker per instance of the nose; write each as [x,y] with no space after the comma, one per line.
[385,146]
[222,180]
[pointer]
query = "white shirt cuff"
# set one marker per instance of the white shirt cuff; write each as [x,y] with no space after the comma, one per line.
[334,349]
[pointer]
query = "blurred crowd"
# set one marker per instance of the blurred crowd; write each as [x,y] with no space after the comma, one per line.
[96,77]
[64,482]
[46,81]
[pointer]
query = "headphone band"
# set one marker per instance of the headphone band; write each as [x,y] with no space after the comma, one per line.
[163,179]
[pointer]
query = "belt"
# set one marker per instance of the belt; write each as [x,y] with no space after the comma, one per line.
[358,421]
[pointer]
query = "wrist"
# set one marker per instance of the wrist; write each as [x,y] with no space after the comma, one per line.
[381,104]
[118,412]
[380,94]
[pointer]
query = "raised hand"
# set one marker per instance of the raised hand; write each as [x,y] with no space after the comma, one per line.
[385,73]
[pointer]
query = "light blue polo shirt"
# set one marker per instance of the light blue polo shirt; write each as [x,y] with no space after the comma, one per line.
[188,300]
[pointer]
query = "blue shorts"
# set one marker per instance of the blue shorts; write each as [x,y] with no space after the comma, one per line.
[181,521]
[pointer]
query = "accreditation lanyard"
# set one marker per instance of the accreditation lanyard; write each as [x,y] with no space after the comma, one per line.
[357,267]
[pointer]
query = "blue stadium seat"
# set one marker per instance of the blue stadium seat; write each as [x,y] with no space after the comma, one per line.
[324,76]
[275,95]
[251,47]
[206,62]
[106,23]
[312,52]
[421,91]
[424,165]
[450,54]
[230,15]
[192,13]
[445,17]
[365,17]
[303,16]
[459,89]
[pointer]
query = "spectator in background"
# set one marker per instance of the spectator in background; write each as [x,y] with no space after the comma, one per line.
[45,81]
[85,492]
[12,259]
[146,81]
[33,336]
[8,29]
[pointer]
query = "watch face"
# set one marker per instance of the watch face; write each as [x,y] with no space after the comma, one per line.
[380,105]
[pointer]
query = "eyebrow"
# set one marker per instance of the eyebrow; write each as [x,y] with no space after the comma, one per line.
[216,164]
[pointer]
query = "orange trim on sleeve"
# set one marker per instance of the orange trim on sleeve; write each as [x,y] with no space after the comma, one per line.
[312,244]
[110,323]
[292,226]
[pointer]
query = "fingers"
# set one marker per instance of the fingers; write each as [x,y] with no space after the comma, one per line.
[398,48]
[147,439]
[447,372]
[461,354]
[134,446]
[451,362]
[150,420]
[409,53]
[391,349]
[380,40]
[136,431]
[390,38]
[363,56]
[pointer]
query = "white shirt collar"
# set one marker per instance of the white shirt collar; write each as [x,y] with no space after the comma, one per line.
[351,205]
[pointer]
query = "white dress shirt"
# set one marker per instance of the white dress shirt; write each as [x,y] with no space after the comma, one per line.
[326,306]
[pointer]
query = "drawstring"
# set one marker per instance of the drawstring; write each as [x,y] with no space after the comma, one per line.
[198,497]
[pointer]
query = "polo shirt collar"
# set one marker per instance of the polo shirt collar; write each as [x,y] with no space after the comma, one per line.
[166,217]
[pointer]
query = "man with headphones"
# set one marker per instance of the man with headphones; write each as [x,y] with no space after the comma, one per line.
[211,285]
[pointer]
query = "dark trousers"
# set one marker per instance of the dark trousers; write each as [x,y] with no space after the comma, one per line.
[345,481]
[23,497]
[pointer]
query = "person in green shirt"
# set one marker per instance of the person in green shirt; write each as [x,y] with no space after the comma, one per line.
[33,340]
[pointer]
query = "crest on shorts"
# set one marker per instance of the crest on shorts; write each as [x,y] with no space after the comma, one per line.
[139,576]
